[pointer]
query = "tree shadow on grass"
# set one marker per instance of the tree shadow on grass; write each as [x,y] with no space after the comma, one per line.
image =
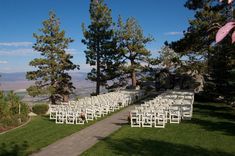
[13,149]
[148,147]
[212,106]
[227,128]
[224,118]
[220,112]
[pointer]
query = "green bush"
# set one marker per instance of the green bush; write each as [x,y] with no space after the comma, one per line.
[9,121]
[24,109]
[13,149]
[40,109]
[9,110]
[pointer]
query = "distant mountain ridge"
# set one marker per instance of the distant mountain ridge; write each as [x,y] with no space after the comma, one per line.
[16,81]
[12,76]
[21,76]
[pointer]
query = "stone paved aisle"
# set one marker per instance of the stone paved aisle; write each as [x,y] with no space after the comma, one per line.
[79,142]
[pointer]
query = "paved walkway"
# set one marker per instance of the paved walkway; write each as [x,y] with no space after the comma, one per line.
[79,142]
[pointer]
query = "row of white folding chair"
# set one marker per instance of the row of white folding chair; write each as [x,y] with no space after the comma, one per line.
[55,108]
[186,105]
[180,92]
[154,118]
[185,99]
[174,101]
[70,117]
[90,114]
[68,113]
[112,106]
[172,112]
[79,115]
[188,98]
[161,101]
[104,102]
[185,110]
[62,112]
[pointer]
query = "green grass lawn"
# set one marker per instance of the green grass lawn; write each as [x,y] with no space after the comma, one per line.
[210,132]
[39,133]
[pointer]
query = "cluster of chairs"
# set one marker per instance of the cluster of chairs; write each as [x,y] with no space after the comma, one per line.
[170,106]
[91,108]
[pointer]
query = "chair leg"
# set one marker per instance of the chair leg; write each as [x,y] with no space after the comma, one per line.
[175,118]
[159,121]
[135,122]
[147,121]
[59,118]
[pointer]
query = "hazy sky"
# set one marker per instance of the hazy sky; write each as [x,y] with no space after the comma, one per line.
[19,19]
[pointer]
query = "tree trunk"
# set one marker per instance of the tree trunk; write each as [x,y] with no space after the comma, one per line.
[52,98]
[133,79]
[133,75]
[98,70]
[53,80]
[65,98]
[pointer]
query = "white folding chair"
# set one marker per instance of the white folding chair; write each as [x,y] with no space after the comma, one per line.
[174,114]
[60,117]
[80,118]
[159,119]
[135,118]
[147,119]
[89,114]
[53,110]
[70,117]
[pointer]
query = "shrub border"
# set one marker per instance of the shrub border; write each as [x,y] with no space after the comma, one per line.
[16,127]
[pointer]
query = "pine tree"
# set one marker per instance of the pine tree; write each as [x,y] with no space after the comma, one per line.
[132,47]
[51,77]
[169,58]
[199,42]
[101,46]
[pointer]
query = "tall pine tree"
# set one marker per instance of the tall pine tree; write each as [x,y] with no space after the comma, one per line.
[101,46]
[199,41]
[132,47]
[51,77]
